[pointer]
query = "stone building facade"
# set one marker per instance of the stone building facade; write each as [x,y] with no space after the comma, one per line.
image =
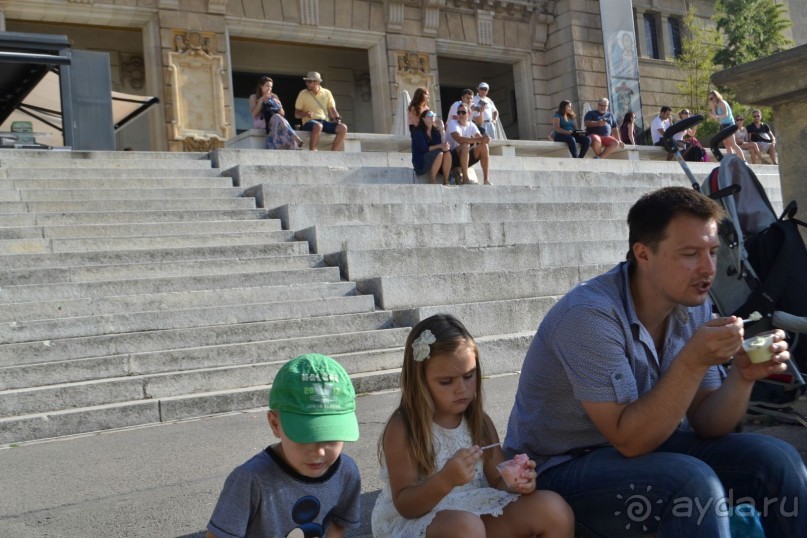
[202,58]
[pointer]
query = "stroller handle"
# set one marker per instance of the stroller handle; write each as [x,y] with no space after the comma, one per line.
[719,137]
[682,125]
[789,322]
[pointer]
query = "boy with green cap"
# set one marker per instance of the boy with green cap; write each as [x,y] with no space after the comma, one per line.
[302,485]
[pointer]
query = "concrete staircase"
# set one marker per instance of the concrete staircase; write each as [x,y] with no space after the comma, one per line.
[146,287]
[139,288]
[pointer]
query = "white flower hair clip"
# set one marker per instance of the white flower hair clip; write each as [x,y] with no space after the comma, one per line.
[420,347]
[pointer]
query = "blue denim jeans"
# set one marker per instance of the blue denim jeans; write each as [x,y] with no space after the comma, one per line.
[685,487]
[572,140]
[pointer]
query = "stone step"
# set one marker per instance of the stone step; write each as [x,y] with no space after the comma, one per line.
[488,318]
[299,216]
[166,166]
[401,292]
[146,216]
[184,369]
[50,156]
[359,265]
[16,219]
[249,175]
[239,277]
[161,269]
[95,244]
[98,324]
[149,181]
[129,194]
[225,159]
[324,239]
[169,408]
[130,230]
[188,204]
[139,256]
[271,196]
[503,353]
[96,357]
[105,305]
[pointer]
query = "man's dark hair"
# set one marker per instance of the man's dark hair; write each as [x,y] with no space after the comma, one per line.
[650,215]
[665,109]
[467,91]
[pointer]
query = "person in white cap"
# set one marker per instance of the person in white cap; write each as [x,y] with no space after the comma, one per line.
[487,112]
[316,107]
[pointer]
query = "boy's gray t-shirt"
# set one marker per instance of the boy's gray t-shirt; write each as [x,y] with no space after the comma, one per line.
[266,497]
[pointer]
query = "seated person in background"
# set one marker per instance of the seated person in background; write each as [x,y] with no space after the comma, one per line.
[418,105]
[627,131]
[315,105]
[744,140]
[466,99]
[601,128]
[491,113]
[429,153]
[762,135]
[659,125]
[623,396]
[264,103]
[564,130]
[468,146]
[303,480]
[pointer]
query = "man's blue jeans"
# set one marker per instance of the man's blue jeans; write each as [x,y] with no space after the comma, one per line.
[685,487]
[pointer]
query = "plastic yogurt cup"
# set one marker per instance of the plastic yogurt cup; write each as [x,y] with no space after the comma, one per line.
[758,348]
[513,471]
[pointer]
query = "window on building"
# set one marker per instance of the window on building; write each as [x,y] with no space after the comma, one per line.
[675,36]
[651,36]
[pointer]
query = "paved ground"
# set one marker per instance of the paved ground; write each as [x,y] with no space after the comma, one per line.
[164,480]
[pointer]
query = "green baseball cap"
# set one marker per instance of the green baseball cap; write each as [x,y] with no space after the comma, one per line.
[315,399]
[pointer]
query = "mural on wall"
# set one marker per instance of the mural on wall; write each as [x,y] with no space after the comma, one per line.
[197,89]
[621,60]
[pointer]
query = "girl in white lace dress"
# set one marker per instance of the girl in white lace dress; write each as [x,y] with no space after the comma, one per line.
[437,479]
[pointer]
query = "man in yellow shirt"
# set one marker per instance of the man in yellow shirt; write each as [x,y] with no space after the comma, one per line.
[316,107]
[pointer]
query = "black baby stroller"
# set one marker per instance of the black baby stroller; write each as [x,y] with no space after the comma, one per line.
[761,267]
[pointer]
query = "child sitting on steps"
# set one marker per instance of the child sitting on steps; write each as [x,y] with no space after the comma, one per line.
[437,479]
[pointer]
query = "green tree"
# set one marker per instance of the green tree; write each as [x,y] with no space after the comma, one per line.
[751,29]
[696,62]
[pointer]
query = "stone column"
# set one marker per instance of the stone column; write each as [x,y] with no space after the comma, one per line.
[2,21]
[778,81]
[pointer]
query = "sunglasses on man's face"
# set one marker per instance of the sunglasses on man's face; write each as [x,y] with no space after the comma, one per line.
[461,112]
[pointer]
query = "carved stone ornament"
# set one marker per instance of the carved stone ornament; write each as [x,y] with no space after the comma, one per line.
[413,71]
[484,24]
[191,42]
[412,63]
[196,144]
[134,72]
[540,29]
[198,95]
[394,11]
[431,16]
[309,12]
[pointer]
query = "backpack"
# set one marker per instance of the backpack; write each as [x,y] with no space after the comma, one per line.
[695,153]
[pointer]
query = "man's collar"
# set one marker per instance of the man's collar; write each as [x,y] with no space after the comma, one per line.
[680,313]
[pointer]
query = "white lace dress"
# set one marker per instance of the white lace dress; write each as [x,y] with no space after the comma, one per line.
[476,496]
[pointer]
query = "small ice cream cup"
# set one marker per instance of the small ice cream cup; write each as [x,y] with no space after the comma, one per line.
[758,347]
[514,471]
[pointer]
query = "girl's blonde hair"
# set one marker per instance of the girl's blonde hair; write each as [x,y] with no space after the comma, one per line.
[416,409]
